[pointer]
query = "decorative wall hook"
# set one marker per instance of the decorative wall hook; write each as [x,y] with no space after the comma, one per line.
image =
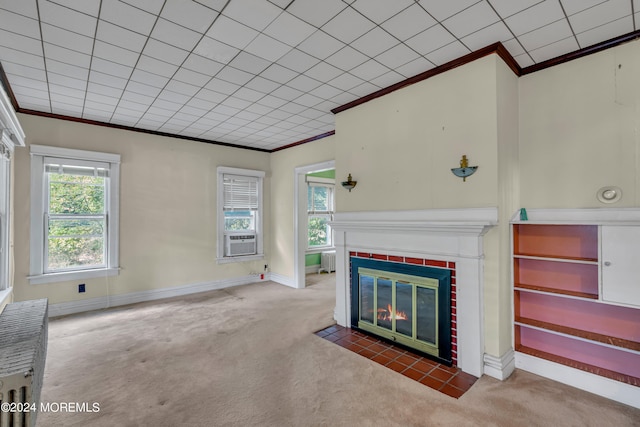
[349,184]
[464,170]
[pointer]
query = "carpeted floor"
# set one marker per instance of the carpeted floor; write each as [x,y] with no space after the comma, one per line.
[247,356]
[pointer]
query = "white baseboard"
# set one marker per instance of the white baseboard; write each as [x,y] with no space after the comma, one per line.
[500,367]
[310,269]
[98,303]
[605,387]
[282,279]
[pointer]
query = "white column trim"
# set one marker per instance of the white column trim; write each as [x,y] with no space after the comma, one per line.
[500,367]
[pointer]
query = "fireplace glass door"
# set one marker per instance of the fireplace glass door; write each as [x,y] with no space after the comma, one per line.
[399,307]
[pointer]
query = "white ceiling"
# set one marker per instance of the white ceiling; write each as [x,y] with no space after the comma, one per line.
[265,73]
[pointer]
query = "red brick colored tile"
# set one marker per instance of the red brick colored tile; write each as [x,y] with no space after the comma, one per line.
[453,281]
[391,353]
[367,353]
[424,365]
[407,359]
[451,265]
[353,347]
[378,348]
[413,374]
[438,373]
[454,346]
[463,381]
[434,263]
[352,253]
[431,382]
[363,254]
[398,367]
[454,311]
[418,261]
[394,258]
[381,359]
[452,391]
[380,257]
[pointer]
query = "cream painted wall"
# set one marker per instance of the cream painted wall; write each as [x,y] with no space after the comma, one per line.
[283,165]
[579,130]
[401,147]
[167,209]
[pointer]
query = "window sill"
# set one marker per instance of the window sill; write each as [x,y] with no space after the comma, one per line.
[230,259]
[72,275]
[5,296]
[318,250]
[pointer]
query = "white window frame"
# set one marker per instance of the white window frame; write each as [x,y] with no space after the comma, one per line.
[321,182]
[220,256]
[5,217]
[38,205]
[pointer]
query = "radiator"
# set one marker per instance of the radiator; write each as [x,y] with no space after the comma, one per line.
[23,350]
[328,262]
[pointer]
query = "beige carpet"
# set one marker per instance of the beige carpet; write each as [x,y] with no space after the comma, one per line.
[247,356]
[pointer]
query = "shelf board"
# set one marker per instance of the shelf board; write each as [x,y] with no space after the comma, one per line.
[586,335]
[555,291]
[575,260]
[617,376]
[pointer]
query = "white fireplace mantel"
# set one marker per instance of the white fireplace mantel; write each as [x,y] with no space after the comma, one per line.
[438,234]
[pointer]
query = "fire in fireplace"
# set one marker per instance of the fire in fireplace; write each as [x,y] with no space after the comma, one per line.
[407,304]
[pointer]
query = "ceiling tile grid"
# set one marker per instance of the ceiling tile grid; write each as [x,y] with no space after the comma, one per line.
[264,74]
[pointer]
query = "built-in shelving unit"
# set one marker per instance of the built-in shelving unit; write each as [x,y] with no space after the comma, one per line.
[560,315]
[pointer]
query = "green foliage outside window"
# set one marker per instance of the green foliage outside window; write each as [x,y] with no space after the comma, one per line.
[318,235]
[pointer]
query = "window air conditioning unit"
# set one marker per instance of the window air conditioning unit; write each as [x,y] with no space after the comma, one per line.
[239,244]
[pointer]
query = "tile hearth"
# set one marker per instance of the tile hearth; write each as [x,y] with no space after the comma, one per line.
[446,379]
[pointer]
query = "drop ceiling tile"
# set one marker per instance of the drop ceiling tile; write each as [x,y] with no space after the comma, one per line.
[601,14]
[164,107]
[297,60]
[69,19]
[236,103]
[535,17]
[27,44]
[206,102]
[202,65]
[58,93]
[262,85]
[388,79]
[144,90]
[231,32]
[233,75]
[18,80]
[257,14]
[346,81]
[448,53]
[364,89]
[151,6]
[250,63]
[119,36]
[20,24]
[267,48]
[272,101]
[574,6]
[133,106]
[35,103]
[193,78]
[346,58]
[148,79]
[247,94]
[215,50]
[430,40]
[348,25]
[26,8]
[23,91]
[182,88]
[324,72]
[472,19]
[548,34]
[380,10]
[326,91]
[126,16]
[25,71]
[289,30]
[100,111]
[409,22]
[102,99]
[103,90]
[65,109]
[287,93]
[303,83]
[488,35]
[375,42]
[506,8]
[315,12]
[67,56]
[605,32]
[175,35]
[115,53]
[278,73]
[555,49]
[189,14]
[67,39]
[17,57]
[258,109]
[514,47]
[222,86]
[68,70]
[321,45]
[88,7]
[226,110]
[152,65]
[164,52]
[369,70]
[442,10]
[397,56]
[63,80]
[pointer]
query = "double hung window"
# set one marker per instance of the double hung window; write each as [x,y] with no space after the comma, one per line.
[320,213]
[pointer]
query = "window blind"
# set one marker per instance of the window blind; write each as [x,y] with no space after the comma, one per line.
[240,192]
[75,167]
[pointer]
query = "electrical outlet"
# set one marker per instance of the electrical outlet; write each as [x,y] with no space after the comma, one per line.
[81,288]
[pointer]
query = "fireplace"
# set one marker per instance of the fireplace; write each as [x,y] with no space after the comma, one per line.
[408,304]
[448,239]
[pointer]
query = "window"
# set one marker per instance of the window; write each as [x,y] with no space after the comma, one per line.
[74,218]
[320,212]
[239,214]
